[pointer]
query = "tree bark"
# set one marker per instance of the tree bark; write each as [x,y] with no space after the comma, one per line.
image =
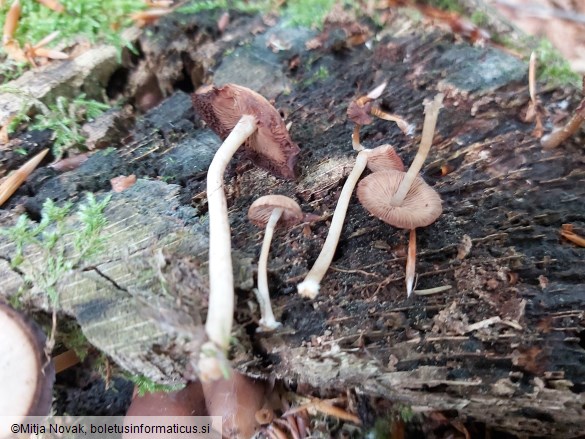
[504,346]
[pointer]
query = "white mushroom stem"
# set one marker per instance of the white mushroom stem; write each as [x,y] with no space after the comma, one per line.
[267,320]
[411,262]
[404,126]
[310,286]
[431,113]
[221,283]
[355,138]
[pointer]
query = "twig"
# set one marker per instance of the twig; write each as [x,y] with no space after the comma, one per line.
[430,291]
[559,135]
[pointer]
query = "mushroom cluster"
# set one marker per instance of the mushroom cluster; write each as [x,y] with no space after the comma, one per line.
[403,199]
[241,116]
[381,158]
[361,110]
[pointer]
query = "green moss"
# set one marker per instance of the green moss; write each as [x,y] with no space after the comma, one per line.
[552,67]
[145,385]
[64,118]
[405,412]
[96,20]
[382,429]
[479,18]
[447,5]
[71,336]
[252,6]
[309,13]
[10,70]
[320,74]
[48,238]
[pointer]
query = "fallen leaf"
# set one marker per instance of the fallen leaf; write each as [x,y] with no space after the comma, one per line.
[122,182]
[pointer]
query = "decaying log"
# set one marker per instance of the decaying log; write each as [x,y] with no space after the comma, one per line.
[504,345]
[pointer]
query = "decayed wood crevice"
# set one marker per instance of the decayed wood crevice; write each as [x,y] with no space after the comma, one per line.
[504,345]
[148,289]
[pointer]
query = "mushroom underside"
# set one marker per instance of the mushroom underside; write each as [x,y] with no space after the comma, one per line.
[26,375]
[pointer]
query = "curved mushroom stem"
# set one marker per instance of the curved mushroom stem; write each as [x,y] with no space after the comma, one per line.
[267,321]
[404,126]
[431,113]
[310,286]
[411,262]
[220,313]
[355,138]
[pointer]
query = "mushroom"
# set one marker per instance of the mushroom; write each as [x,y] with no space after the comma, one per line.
[232,403]
[181,404]
[382,157]
[189,401]
[421,207]
[240,116]
[268,211]
[236,400]
[402,199]
[361,110]
[26,373]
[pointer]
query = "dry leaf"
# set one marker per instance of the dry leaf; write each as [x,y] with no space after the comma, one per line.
[122,182]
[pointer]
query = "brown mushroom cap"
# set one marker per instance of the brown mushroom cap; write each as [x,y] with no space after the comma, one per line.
[384,158]
[270,147]
[26,377]
[421,207]
[359,112]
[261,209]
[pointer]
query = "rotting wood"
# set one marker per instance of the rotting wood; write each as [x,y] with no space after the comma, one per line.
[89,72]
[525,378]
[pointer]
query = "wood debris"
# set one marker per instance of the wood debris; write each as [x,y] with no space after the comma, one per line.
[559,135]
[326,407]
[122,182]
[15,180]
[568,234]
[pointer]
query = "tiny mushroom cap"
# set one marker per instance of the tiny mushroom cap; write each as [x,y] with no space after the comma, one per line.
[26,374]
[267,212]
[383,158]
[270,146]
[421,207]
[261,209]
[358,110]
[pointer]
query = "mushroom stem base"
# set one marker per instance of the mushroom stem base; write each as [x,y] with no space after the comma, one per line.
[310,286]
[411,263]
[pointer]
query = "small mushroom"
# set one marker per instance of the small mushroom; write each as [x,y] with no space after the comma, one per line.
[180,405]
[382,157]
[421,207]
[402,199]
[361,110]
[240,116]
[26,373]
[189,401]
[236,400]
[268,211]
